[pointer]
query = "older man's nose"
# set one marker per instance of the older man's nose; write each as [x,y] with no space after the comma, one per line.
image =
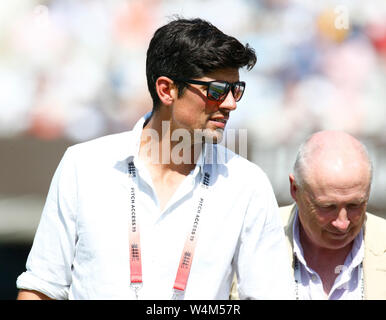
[341,222]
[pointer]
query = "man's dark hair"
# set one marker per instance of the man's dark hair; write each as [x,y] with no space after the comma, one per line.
[191,49]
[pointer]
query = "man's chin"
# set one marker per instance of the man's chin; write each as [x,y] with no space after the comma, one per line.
[213,136]
[336,243]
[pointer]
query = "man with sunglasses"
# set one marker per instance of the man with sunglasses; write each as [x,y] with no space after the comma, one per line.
[163,211]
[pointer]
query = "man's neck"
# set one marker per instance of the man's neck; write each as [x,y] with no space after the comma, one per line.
[313,252]
[159,150]
[324,261]
[168,161]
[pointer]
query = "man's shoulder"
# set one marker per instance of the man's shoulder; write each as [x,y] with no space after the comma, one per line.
[375,225]
[375,246]
[236,162]
[286,212]
[113,145]
[375,219]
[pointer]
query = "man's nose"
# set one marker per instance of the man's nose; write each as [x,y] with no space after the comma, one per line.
[229,102]
[341,222]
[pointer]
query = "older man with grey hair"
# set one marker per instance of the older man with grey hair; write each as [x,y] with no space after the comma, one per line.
[338,250]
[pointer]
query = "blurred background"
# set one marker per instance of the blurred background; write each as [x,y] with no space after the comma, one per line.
[74,70]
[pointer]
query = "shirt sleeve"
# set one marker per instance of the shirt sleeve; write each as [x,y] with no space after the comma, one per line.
[262,258]
[48,267]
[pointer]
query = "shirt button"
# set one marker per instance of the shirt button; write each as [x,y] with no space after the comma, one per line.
[313,278]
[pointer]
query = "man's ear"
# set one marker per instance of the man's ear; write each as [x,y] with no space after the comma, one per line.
[166,90]
[293,187]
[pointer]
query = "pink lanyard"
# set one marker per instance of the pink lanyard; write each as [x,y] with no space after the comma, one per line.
[134,240]
[187,253]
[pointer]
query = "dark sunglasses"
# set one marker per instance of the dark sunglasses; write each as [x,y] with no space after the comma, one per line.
[218,89]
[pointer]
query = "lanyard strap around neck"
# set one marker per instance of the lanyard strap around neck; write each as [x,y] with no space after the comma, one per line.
[134,239]
[187,252]
[190,244]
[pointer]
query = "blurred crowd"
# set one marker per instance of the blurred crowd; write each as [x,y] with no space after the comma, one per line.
[76,69]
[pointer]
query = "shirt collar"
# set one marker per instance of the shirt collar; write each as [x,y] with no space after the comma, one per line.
[298,249]
[133,149]
[357,252]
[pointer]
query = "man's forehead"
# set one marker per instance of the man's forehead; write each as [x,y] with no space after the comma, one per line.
[337,170]
[334,188]
[224,74]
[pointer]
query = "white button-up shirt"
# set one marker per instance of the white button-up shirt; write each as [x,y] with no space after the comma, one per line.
[81,247]
[348,284]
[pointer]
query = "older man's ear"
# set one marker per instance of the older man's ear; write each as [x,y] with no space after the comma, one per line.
[293,187]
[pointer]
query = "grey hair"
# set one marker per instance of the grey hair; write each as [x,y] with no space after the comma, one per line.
[300,163]
[305,150]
